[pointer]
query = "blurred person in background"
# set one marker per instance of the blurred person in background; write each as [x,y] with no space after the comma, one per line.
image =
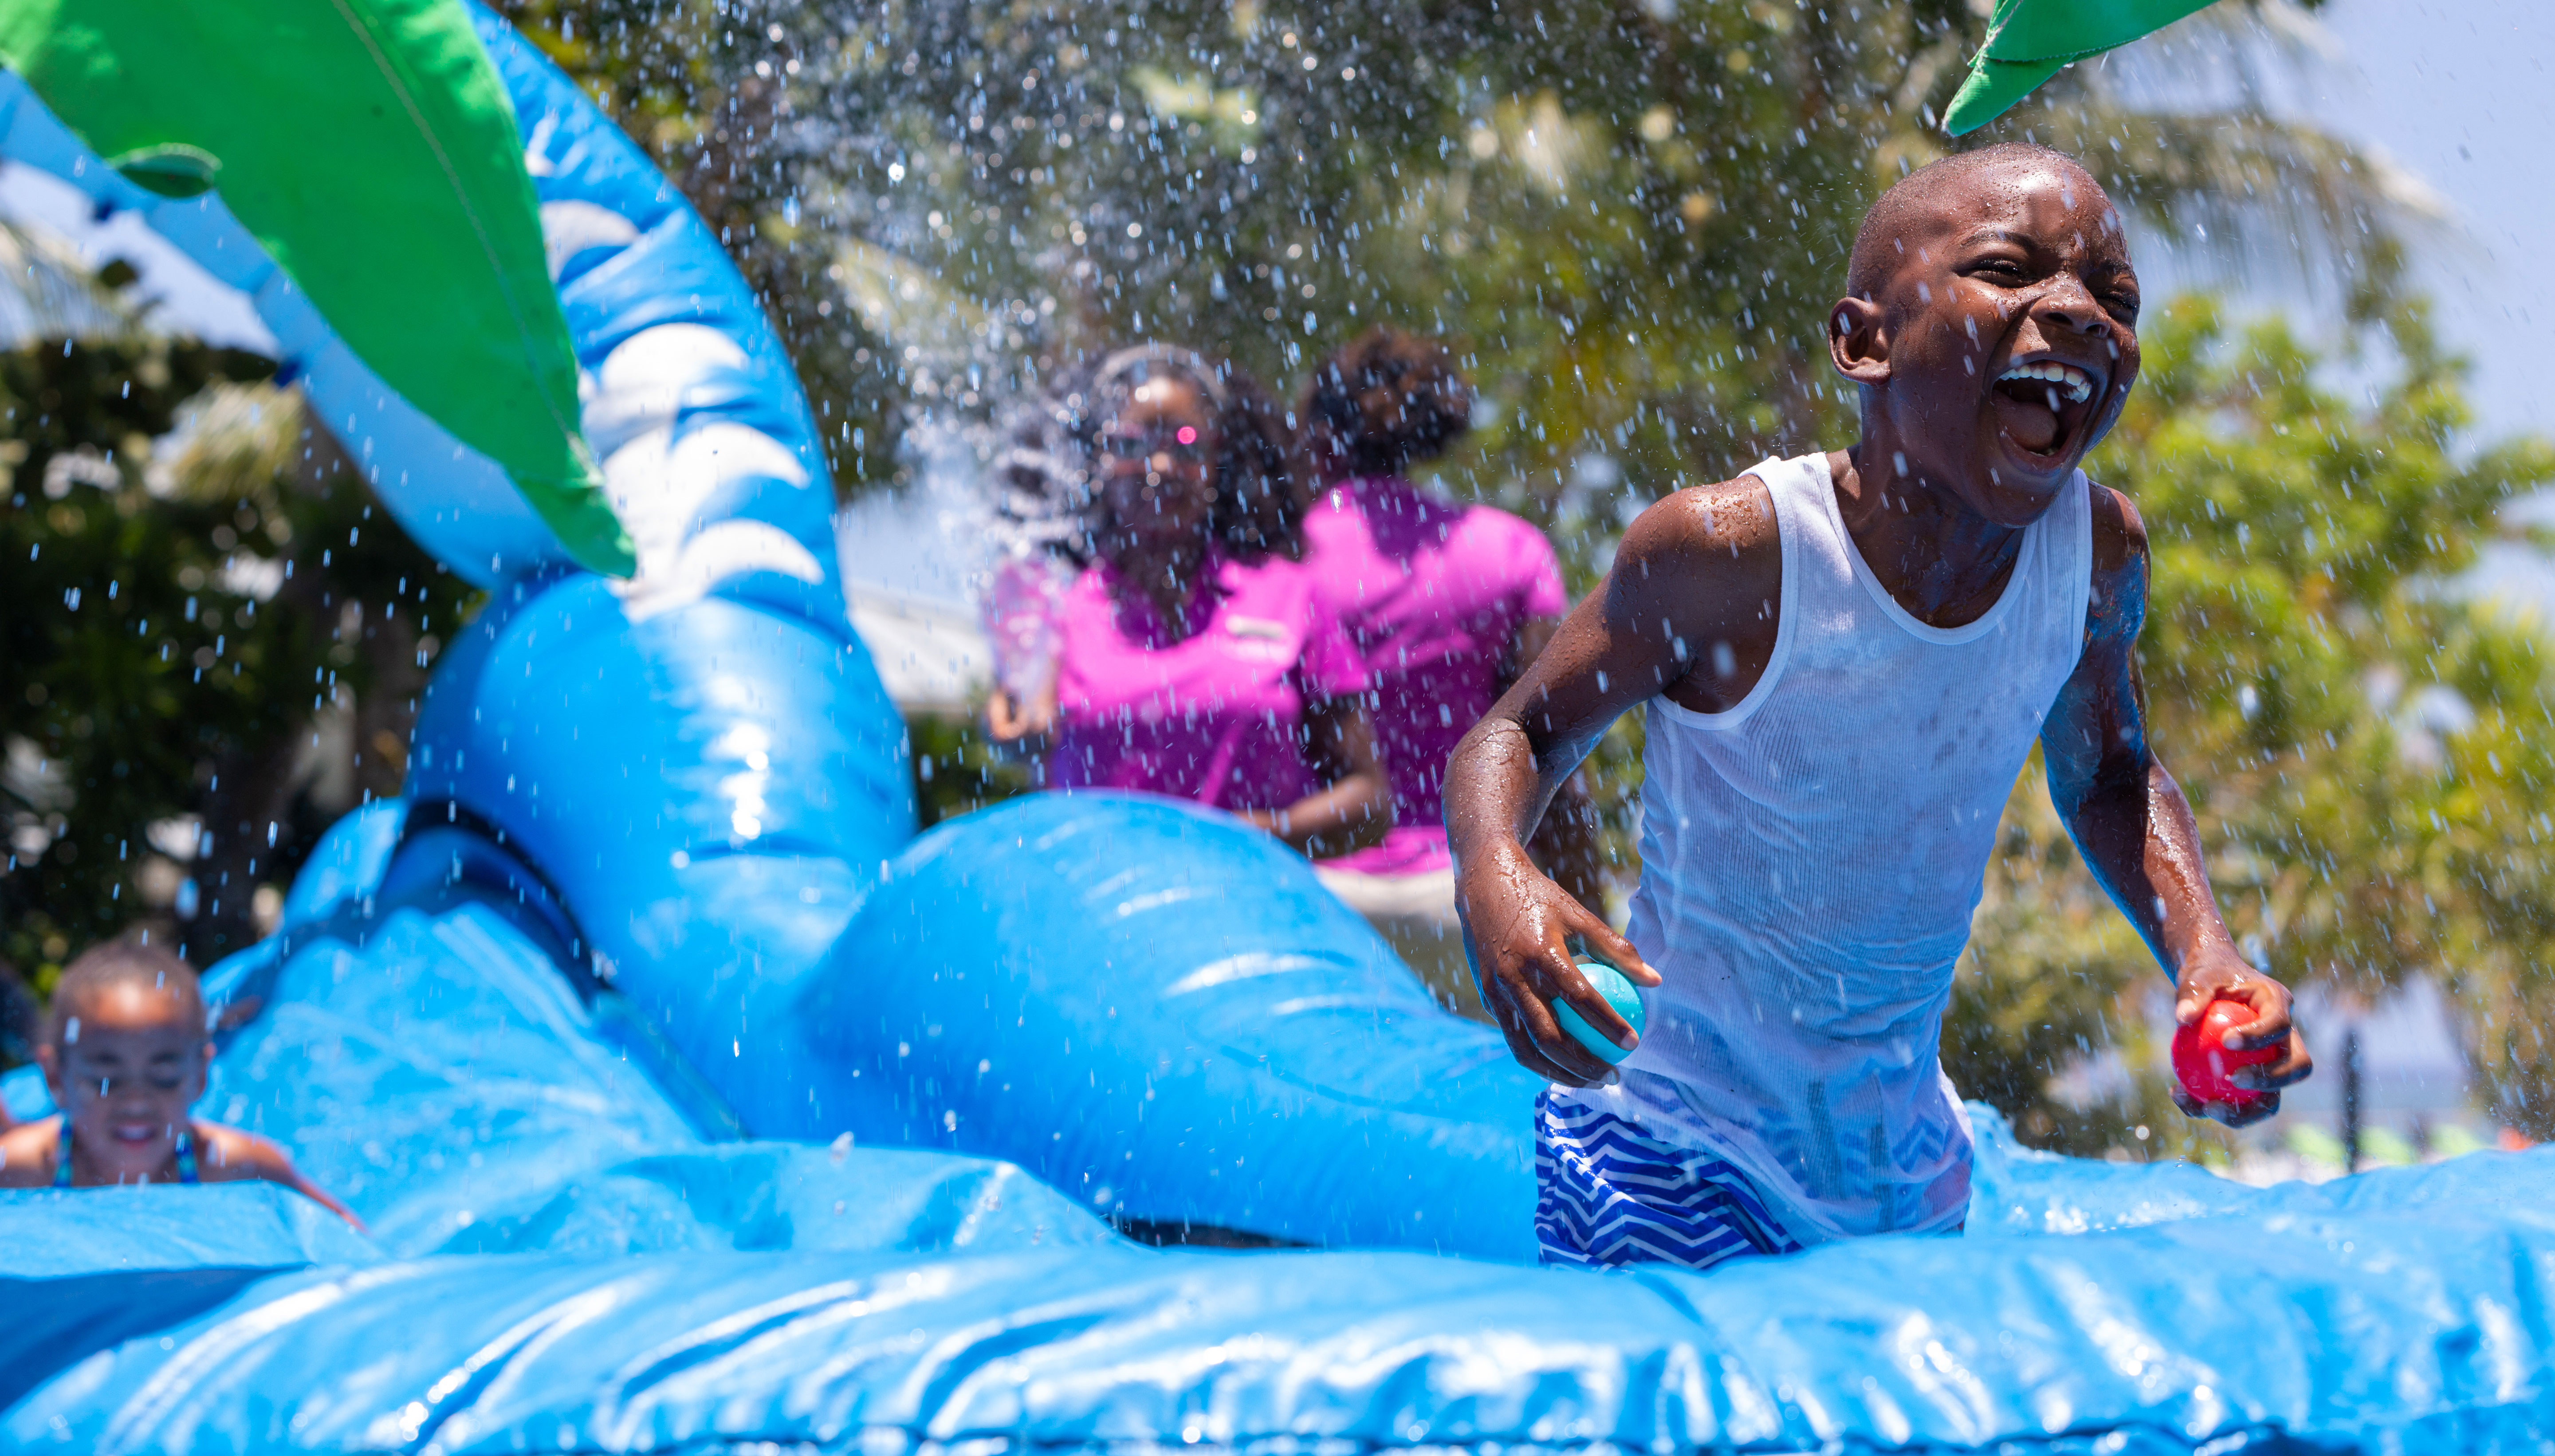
[1446,603]
[1194,657]
[1041,536]
[126,1055]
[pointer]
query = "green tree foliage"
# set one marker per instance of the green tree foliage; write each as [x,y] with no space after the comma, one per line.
[1632,214]
[2367,750]
[211,637]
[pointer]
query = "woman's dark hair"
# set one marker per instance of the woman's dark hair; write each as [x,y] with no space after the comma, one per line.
[1262,485]
[1387,400]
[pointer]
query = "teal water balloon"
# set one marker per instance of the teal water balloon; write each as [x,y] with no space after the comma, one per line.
[1620,992]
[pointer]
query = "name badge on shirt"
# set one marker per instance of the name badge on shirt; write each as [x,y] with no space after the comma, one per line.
[1262,637]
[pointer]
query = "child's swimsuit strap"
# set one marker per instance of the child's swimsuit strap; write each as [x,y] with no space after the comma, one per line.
[186,1169]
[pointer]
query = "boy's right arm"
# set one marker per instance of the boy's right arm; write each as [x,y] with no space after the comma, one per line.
[27,1153]
[1687,609]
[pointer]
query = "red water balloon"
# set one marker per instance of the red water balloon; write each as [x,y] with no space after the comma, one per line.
[2202,1060]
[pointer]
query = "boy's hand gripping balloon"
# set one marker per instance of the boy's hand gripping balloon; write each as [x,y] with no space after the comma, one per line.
[1620,992]
[2202,1059]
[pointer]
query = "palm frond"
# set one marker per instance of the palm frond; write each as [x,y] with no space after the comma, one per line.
[49,291]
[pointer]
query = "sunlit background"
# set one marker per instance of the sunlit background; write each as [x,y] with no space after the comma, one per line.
[1630,217]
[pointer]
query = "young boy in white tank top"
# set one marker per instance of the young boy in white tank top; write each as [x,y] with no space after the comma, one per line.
[1845,660]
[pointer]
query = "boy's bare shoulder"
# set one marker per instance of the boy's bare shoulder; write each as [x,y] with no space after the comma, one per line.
[232,1155]
[1732,519]
[2119,533]
[27,1153]
[2116,609]
[1705,547]
[1695,580]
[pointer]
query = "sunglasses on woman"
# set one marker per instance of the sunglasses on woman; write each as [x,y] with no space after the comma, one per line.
[1187,445]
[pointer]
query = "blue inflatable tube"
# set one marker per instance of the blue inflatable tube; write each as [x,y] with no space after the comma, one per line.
[698,769]
[696,778]
[657,879]
[560,1262]
[1160,1011]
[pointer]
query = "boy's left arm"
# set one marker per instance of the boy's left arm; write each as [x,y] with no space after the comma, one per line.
[2135,827]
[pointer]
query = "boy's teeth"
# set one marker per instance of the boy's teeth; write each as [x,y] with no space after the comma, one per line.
[2074,381]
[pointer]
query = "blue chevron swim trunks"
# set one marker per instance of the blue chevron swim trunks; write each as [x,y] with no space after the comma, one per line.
[1608,1195]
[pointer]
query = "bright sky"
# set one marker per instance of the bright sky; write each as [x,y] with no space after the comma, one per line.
[184,298]
[2459,92]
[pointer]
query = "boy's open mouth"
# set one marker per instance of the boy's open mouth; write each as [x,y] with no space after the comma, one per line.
[2042,404]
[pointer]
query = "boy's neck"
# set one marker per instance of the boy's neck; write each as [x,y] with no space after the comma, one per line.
[1941,561]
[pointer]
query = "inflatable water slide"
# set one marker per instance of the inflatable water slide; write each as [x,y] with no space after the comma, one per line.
[694,1103]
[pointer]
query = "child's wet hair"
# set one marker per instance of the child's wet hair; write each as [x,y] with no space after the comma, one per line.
[1390,399]
[1879,242]
[124,962]
[1262,485]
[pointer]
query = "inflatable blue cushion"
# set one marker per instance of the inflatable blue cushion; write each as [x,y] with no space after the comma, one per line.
[1160,1011]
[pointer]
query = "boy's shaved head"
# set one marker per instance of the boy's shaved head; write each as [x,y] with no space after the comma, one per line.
[1880,243]
[1990,323]
[122,964]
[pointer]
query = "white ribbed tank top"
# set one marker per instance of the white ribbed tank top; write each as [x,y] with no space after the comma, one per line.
[1809,863]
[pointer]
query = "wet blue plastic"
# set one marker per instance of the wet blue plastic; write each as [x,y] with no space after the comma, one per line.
[564,1264]
[435,1069]
[2414,1322]
[687,787]
[1161,1011]
[706,795]
[447,1082]
[53,1234]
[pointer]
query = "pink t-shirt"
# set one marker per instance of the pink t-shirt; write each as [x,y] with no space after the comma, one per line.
[1217,716]
[1431,592]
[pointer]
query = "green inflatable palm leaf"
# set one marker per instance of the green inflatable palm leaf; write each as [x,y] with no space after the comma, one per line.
[370,147]
[2030,40]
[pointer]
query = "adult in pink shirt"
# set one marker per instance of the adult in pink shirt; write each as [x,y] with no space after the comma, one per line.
[1446,603]
[1194,655]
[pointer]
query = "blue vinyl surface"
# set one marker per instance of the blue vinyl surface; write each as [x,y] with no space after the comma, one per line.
[563,1259]
[2419,1327]
[1161,1011]
[655,888]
